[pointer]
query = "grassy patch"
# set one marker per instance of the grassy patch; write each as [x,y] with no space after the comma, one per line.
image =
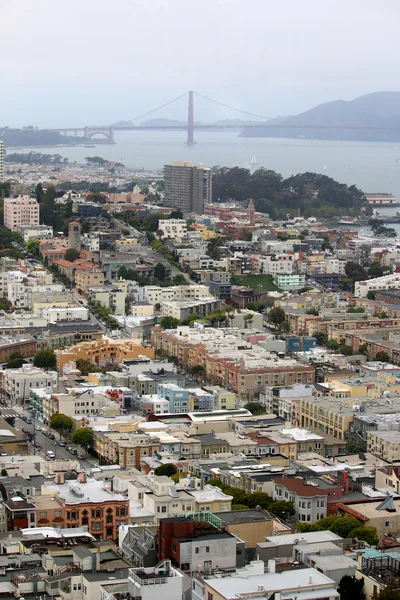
[257,282]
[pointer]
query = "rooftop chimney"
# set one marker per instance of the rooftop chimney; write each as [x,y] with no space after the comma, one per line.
[59,478]
[82,478]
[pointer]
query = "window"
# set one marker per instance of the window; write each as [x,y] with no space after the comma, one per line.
[207,548]
[196,551]
[174,548]
[163,509]
[109,531]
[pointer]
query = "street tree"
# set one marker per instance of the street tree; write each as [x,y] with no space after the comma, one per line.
[61,423]
[276,316]
[83,437]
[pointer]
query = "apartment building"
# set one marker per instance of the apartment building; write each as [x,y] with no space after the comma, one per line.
[181,309]
[328,415]
[87,502]
[22,210]
[127,449]
[89,277]
[104,352]
[174,229]
[113,297]
[177,397]
[290,281]
[281,263]
[162,581]
[387,282]
[35,232]
[384,444]
[252,582]
[18,383]
[187,187]
[85,403]
[153,294]
[193,544]
[229,360]
[310,502]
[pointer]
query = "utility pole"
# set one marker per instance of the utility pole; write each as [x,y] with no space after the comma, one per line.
[190,125]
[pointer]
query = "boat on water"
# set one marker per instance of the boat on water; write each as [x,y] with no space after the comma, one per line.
[90,146]
[254,160]
[347,220]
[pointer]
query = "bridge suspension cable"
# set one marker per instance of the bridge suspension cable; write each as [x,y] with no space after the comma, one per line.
[158,108]
[246,112]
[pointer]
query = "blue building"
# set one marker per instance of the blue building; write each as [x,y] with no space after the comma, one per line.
[300,343]
[177,397]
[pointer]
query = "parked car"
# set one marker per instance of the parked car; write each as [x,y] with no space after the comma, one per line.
[72,450]
[51,454]
[61,443]
[28,420]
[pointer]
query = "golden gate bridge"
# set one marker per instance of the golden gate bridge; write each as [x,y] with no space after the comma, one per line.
[107,131]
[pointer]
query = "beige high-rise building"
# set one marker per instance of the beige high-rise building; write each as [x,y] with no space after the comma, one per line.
[1,160]
[187,187]
[23,210]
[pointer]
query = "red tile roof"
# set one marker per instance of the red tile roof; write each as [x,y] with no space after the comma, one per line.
[299,487]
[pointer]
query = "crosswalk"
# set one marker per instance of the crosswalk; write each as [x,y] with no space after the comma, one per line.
[8,412]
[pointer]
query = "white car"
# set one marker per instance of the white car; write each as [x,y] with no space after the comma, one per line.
[50,454]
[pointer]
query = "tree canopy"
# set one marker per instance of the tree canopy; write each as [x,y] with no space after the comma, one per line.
[71,255]
[351,588]
[311,193]
[45,359]
[83,437]
[61,423]
[167,470]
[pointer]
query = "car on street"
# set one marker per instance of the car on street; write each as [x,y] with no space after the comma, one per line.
[51,454]
[28,421]
[61,443]
[72,450]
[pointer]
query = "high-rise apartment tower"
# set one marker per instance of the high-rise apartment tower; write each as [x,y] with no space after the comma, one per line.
[187,187]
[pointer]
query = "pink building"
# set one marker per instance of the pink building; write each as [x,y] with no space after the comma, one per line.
[20,211]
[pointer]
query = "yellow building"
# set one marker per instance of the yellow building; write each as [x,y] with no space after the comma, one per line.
[104,352]
[89,278]
[125,243]
[326,416]
[385,444]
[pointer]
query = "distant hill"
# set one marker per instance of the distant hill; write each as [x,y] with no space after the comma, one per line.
[380,111]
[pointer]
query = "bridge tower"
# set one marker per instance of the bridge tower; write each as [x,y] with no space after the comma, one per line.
[190,125]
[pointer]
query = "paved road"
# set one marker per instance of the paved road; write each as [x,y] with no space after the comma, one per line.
[48,444]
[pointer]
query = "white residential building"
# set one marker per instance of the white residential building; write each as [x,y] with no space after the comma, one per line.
[54,314]
[281,263]
[35,232]
[162,581]
[86,402]
[18,383]
[251,582]
[154,294]
[387,282]
[174,229]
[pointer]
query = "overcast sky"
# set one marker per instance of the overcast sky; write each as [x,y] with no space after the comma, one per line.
[100,61]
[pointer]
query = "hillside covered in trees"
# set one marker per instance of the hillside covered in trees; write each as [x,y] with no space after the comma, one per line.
[314,194]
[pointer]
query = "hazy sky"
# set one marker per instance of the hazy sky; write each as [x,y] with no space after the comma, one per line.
[100,61]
